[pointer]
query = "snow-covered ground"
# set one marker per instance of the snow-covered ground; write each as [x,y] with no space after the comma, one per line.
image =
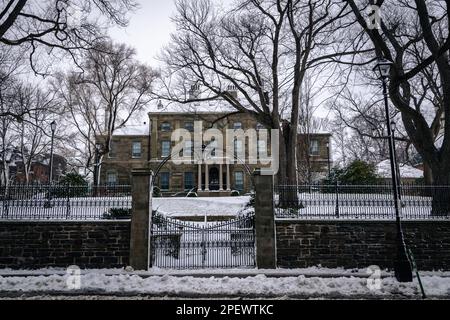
[357,206]
[94,208]
[301,284]
[320,205]
[193,207]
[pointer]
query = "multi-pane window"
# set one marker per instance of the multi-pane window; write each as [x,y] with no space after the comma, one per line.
[237,125]
[239,180]
[188,148]
[164,182]
[165,148]
[237,147]
[165,126]
[189,126]
[262,147]
[111,177]
[314,147]
[136,149]
[188,180]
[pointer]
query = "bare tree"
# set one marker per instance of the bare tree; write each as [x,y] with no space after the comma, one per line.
[39,26]
[414,35]
[309,123]
[34,132]
[263,50]
[113,88]
[10,112]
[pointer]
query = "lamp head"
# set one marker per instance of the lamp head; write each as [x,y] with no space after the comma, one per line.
[53,126]
[383,68]
[393,125]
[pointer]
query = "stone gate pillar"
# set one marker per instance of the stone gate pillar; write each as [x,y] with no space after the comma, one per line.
[264,221]
[140,219]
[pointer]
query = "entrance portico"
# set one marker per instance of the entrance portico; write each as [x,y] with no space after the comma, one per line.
[210,180]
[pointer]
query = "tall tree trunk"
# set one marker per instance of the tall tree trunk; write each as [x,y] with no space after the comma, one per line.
[427,174]
[288,168]
[441,192]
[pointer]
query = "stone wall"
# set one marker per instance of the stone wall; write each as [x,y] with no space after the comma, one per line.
[96,244]
[359,244]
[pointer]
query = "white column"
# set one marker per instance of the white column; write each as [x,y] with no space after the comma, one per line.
[206,177]
[199,183]
[228,178]
[220,178]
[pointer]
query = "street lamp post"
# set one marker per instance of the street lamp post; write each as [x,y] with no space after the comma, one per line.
[402,265]
[98,147]
[329,161]
[397,167]
[47,203]
[53,128]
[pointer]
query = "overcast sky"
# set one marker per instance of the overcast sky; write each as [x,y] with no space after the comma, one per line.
[149,29]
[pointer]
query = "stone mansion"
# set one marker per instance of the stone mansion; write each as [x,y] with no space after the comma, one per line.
[148,145]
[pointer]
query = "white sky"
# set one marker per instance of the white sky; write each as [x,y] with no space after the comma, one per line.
[149,29]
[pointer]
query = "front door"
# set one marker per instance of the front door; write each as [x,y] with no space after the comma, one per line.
[213,178]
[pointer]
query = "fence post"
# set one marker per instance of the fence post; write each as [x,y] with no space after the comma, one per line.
[68,189]
[264,221]
[337,199]
[140,219]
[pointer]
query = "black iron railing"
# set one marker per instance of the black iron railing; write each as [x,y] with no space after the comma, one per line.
[177,244]
[361,202]
[64,202]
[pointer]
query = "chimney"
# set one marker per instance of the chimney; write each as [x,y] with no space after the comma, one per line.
[194,92]
[232,91]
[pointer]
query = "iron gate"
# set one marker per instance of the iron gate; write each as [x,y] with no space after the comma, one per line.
[180,244]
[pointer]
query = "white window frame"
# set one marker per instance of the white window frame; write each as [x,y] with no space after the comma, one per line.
[133,155]
[163,142]
[168,181]
[237,125]
[112,174]
[314,147]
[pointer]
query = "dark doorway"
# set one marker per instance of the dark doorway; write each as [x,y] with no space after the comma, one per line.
[214,179]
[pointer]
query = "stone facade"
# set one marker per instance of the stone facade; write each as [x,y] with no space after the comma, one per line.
[211,179]
[96,244]
[313,156]
[121,162]
[359,244]
[210,174]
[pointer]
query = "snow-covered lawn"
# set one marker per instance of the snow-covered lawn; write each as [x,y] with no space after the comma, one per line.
[356,206]
[308,285]
[94,208]
[193,207]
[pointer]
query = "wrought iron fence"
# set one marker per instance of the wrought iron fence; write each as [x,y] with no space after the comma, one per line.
[64,202]
[361,202]
[177,244]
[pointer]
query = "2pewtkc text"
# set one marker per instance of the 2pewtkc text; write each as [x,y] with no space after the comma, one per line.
[226,310]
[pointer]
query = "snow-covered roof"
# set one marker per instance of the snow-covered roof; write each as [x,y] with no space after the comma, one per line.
[213,106]
[383,169]
[133,130]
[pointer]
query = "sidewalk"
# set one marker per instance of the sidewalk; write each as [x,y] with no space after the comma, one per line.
[235,284]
